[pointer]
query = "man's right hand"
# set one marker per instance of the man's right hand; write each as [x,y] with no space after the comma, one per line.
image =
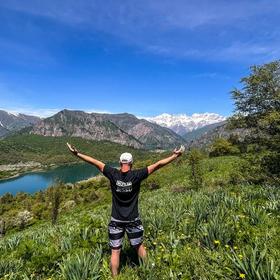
[72,149]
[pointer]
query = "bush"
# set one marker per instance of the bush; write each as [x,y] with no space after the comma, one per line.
[194,159]
[222,147]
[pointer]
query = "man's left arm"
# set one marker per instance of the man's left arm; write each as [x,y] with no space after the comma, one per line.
[176,153]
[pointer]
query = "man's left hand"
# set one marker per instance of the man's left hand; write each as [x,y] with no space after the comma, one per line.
[179,151]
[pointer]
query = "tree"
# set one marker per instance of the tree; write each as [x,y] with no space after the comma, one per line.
[222,147]
[257,107]
[260,95]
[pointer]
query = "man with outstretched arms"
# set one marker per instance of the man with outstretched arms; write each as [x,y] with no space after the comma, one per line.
[125,187]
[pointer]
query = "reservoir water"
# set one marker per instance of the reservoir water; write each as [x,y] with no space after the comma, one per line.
[35,181]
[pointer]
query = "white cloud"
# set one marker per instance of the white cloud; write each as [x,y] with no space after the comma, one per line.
[203,30]
[46,112]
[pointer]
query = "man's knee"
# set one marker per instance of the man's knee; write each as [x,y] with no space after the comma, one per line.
[115,253]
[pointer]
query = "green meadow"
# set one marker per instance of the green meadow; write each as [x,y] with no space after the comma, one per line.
[225,228]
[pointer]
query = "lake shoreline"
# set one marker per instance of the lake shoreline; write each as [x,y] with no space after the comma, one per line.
[32,181]
[21,169]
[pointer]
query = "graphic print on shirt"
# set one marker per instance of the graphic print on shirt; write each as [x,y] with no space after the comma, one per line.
[123,186]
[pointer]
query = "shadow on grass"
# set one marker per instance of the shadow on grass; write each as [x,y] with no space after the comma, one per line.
[129,257]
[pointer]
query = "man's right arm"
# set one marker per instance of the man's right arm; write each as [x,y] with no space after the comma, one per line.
[99,164]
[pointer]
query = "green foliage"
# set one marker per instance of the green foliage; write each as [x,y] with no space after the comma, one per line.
[55,198]
[81,266]
[258,109]
[194,158]
[259,98]
[254,264]
[222,147]
[53,150]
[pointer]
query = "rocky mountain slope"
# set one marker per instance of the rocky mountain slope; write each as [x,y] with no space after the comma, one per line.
[150,134]
[84,125]
[14,122]
[220,131]
[183,123]
[119,128]
[198,133]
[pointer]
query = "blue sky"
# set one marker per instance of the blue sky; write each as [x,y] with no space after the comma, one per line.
[143,57]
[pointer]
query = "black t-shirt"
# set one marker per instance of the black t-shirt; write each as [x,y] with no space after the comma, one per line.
[125,188]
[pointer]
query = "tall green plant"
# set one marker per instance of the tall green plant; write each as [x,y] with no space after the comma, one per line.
[81,266]
[254,265]
[194,158]
[55,196]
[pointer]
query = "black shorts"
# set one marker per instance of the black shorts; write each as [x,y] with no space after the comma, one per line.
[117,229]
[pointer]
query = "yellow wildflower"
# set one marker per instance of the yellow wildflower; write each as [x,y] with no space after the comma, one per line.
[217,242]
[242,275]
[235,247]
[227,246]
[240,256]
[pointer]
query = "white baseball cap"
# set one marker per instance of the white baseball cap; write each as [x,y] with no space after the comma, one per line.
[126,158]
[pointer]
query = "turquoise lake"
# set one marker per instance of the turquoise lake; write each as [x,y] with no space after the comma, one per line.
[35,181]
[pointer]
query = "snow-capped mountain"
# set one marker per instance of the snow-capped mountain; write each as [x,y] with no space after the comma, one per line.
[183,123]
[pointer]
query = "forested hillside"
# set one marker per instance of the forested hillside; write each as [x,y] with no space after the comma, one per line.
[45,151]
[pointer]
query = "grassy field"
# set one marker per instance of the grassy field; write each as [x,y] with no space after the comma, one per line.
[226,229]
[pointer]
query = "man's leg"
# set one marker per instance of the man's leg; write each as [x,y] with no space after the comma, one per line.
[141,251]
[116,234]
[115,261]
[135,232]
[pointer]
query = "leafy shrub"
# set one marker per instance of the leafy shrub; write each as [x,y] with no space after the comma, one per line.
[222,147]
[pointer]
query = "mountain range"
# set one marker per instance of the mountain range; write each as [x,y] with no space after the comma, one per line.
[162,132]
[182,123]
[119,128]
